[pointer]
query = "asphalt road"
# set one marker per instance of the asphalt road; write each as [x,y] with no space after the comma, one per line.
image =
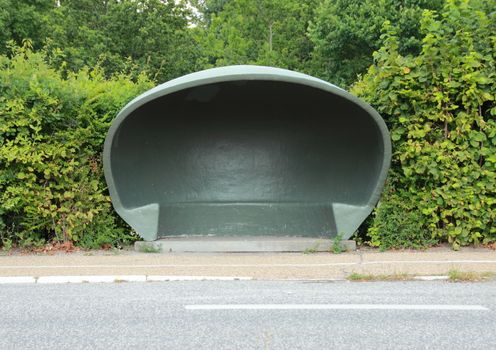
[273,315]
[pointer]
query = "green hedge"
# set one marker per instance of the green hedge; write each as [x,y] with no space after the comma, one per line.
[52,130]
[440,108]
[439,105]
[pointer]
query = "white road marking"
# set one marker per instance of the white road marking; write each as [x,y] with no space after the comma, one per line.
[429,262]
[153,278]
[114,279]
[431,278]
[247,265]
[17,279]
[335,307]
[167,265]
[91,279]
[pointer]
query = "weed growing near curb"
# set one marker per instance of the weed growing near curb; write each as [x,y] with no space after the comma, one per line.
[337,246]
[149,248]
[313,249]
[462,276]
[358,277]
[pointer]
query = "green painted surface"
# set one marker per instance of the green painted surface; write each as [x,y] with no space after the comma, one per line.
[246,150]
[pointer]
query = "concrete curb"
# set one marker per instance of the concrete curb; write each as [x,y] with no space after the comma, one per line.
[431,278]
[158,278]
[112,279]
[17,279]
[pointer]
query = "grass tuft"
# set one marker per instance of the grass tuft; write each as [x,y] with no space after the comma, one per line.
[463,276]
[150,248]
[358,277]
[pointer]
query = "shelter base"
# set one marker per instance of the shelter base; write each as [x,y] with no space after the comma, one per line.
[248,244]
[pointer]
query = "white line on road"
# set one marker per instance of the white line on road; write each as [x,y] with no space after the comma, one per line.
[90,279]
[335,307]
[431,278]
[166,265]
[152,278]
[429,262]
[5,267]
[114,279]
[17,279]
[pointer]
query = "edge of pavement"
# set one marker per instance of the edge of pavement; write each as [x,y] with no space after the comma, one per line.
[127,266]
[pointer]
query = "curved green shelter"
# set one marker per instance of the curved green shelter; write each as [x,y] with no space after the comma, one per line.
[246,150]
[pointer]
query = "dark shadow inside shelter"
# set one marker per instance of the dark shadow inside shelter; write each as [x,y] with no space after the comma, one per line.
[247,157]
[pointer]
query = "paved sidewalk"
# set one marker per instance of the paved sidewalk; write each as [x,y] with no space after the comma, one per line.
[265,266]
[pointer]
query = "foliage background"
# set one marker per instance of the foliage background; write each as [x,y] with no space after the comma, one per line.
[68,66]
[51,137]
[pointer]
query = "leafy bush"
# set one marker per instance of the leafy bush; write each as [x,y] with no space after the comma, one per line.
[52,131]
[397,223]
[440,108]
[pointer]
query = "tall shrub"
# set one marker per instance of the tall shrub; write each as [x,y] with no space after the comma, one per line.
[440,108]
[51,137]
